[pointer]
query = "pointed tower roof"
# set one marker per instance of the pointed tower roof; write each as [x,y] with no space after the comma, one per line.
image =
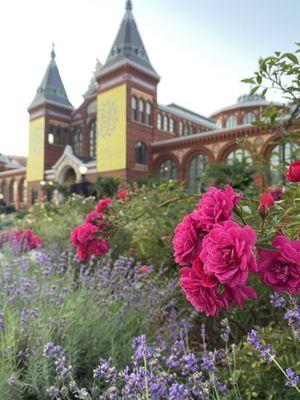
[128,46]
[51,89]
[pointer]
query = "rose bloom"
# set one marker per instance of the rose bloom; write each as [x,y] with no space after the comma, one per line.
[216,206]
[206,294]
[187,240]
[276,192]
[102,204]
[293,175]
[267,200]
[280,269]
[227,253]
[122,194]
[203,298]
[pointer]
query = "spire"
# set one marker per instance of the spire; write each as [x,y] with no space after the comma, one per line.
[51,89]
[128,5]
[53,55]
[128,46]
[93,82]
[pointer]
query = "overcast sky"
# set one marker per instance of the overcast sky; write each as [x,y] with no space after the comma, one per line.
[200,48]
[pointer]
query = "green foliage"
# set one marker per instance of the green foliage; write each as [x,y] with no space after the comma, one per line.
[54,223]
[105,187]
[238,174]
[144,223]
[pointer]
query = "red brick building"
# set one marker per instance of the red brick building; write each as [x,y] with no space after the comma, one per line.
[121,130]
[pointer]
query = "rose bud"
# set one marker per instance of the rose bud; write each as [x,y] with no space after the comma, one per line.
[266,201]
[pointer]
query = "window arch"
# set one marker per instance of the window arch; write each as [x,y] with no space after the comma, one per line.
[167,170]
[134,108]
[231,121]
[195,169]
[142,110]
[92,138]
[148,113]
[11,194]
[186,129]
[159,121]
[281,156]
[166,123]
[78,141]
[180,128]
[51,134]
[172,125]
[249,117]
[239,154]
[141,156]
[191,129]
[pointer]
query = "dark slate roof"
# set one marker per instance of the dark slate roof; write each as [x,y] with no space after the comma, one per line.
[51,89]
[128,46]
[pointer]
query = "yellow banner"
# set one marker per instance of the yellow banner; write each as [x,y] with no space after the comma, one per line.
[111,129]
[35,162]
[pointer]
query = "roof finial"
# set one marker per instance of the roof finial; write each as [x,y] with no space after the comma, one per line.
[53,51]
[128,5]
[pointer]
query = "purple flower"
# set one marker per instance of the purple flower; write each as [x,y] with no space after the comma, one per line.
[266,351]
[178,392]
[11,380]
[293,378]
[278,301]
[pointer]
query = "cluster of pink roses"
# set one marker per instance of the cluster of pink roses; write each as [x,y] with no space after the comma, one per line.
[216,253]
[25,239]
[90,238]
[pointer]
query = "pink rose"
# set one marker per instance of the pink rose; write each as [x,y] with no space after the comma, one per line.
[187,240]
[122,194]
[216,206]
[267,200]
[280,269]
[293,175]
[227,253]
[204,299]
[102,204]
[240,294]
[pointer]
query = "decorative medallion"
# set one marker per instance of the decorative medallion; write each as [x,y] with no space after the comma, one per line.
[259,141]
[216,148]
[107,119]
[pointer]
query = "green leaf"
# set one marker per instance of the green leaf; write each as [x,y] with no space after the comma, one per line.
[292,57]
[254,90]
[266,246]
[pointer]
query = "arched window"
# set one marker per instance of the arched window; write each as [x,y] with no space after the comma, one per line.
[34,196]
[92,138]
[219,123]
[51,134]
[142,111]
[166,123]
[249,118]
[239,154]
[159,121]
[167,170]
[281,157]
[148,113]
[11,196]
[59,139]
[134,109]
[191,129]
[172,127]
[141,153]
[180,128]
[195,170]
[21,191]
[186,129]
[78,141]
[231,121]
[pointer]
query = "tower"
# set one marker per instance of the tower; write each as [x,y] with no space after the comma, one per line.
[49,126]
[127,84]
